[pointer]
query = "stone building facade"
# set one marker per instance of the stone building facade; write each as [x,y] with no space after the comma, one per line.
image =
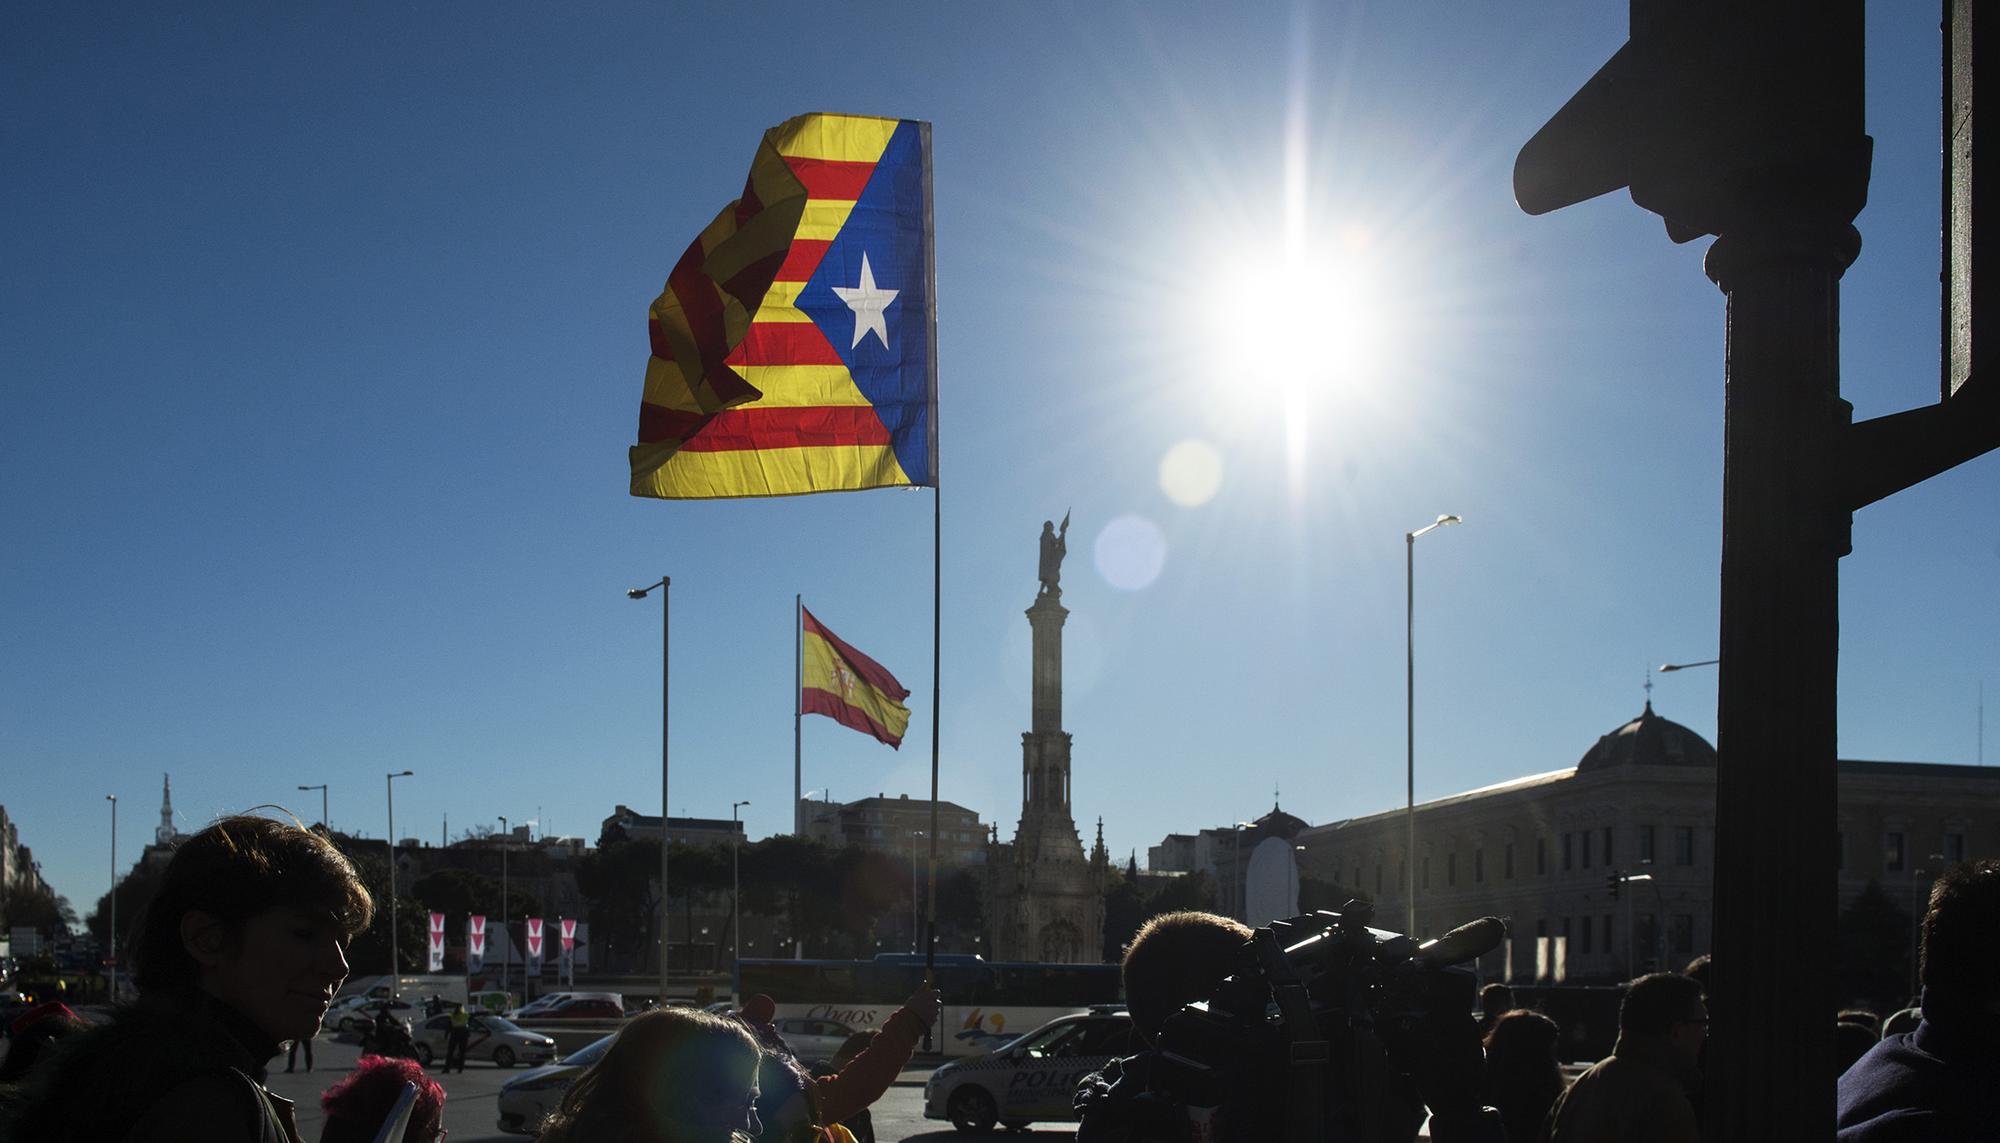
[1542,851]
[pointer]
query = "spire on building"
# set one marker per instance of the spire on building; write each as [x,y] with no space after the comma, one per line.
[166,833]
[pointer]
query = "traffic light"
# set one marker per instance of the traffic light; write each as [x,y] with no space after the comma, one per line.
[1713,114]
[1616,882]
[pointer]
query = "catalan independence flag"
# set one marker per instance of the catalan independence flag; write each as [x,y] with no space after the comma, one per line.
[847,686]
[793,346]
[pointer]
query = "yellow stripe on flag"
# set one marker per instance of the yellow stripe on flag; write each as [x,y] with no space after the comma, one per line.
[781,303]
[824,217]
[842,138]
[802,386]
[768,472]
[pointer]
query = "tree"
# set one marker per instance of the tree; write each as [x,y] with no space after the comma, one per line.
[620,884]
[135,891]
[36,907]
[459,892]
[1874,938]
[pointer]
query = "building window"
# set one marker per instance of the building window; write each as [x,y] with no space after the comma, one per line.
[1892,852]
[1541,855]
[1683,845]
[1646,935]
[1683,933]
[1607,933]
[1608,858]
[1569,852]
[1645,844]
[1565,931]
[1479,864]
[1584,944]
[1584,835]
[1954,847]
[1542,928]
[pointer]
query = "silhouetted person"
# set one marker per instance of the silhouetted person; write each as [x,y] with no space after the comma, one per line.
[1495,1001]
[1644,1091]
[1942,1081]
[1523,1076]
[292,1053]
[241,950]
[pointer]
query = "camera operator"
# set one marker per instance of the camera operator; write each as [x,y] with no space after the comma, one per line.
[1179,958]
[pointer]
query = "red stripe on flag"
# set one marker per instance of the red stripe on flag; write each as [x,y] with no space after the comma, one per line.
[784,343]
[802,259]
[813,700]
[662,424]
[752,428]
[831,178]
[876,675]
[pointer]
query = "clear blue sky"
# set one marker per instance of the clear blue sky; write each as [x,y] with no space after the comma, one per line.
[322,335]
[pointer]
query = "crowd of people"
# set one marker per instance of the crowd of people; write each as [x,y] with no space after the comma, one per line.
[243,948]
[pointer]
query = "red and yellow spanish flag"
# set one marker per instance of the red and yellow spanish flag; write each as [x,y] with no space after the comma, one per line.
[793,344]
[848,686]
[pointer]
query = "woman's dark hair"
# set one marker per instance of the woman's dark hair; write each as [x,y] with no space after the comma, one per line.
[357,1106]
[1522,1074]
[1961,953]
[672,1074]
[234,870]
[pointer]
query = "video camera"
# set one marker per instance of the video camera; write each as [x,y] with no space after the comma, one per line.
[1330,1031]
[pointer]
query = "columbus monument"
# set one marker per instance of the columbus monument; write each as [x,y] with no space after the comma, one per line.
[1045,899]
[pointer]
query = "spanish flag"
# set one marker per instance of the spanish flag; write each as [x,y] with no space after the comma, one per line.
[793,345]
[848,686]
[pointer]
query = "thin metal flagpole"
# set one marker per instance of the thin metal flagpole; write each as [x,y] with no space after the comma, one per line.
[798,710]
[937,556]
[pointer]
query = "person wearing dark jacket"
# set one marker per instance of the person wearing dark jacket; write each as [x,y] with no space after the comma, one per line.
[1940,1082]
[241,950]
[1645,1090]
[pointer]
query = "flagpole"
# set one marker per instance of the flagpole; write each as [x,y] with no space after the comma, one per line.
[798,709]
[937,554]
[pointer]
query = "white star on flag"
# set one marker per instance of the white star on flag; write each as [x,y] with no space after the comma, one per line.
[867,301]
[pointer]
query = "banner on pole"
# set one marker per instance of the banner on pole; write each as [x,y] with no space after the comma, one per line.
[566,959]
[437,942]
[475,943]
[534,947]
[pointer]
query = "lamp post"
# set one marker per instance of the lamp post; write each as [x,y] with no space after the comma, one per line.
[735,904]
[1410,715]
[1236,877]
[395,963]
[1917,920]
[916,930]
[506,934]
[322,802]
[666,644]
[111,931]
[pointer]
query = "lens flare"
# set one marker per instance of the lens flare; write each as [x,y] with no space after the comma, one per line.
[1130,552]
[1191,473]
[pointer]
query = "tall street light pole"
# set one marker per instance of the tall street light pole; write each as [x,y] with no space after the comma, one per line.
[111,932]
[395,963]
[506,934]
[322,802]
[735,883]
[1410,716]
[666,645]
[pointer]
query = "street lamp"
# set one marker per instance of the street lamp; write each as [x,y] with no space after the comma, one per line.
[322,802]
[916,926]
[1237,880]
[1666,667]
[1410,713]
[111,933]
[735,906]
[506,934]
[395,965]
[666,644]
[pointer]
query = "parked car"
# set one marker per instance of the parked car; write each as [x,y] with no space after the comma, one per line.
[1029,1079]
[550,1000]
[528,1098]
[488,1037]
[580,1008]
[357,1013]
[813,1039]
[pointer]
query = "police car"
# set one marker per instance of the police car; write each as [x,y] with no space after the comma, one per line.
[1031,1078]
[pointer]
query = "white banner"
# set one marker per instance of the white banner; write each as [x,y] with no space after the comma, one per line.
[437,942]
[534,946]
[475,943]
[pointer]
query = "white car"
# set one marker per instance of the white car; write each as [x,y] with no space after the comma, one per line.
[812,1040]
[1029,1079]
[488,1037]
[528,1098]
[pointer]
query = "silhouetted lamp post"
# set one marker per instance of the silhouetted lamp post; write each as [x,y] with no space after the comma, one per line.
[1410,714]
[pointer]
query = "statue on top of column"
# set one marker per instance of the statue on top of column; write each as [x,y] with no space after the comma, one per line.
[1055,545]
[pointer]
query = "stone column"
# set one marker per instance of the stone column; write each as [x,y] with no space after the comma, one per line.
[1046,619]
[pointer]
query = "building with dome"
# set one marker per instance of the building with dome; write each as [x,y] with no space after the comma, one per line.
[1227,854]
[1543,851]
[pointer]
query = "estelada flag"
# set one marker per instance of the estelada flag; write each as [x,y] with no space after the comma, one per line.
[794,344]
[847,686]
